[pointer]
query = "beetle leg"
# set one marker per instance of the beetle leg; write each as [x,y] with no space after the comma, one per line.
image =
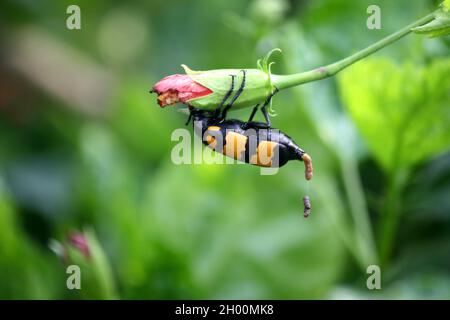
[189,119]
[266,103]
[253,112]
[225,98]
[266,115]
[238,93]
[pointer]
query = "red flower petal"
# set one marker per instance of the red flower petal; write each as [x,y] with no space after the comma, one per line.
[179,82]
[178,87]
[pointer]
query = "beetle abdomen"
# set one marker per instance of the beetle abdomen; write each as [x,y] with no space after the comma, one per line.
[263,147]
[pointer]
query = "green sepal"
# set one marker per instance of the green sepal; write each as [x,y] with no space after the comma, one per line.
[440,25]
[258,84]
[257,87]
[266,66]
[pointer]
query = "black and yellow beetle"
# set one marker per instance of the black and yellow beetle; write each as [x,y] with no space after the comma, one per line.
[250,142]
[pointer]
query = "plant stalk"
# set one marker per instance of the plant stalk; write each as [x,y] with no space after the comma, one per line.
[364,237]
[287,81]
[391,215]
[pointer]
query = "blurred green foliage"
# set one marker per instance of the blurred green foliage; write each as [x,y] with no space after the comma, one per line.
[405,115]
[378,135]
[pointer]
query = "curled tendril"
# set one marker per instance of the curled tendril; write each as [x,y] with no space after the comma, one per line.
[265,66]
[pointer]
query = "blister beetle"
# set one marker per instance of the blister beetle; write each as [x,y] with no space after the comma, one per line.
[251,142]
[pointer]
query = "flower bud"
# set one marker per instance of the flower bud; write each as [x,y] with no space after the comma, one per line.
[81,248]
[79,242]
[75,243]
[206,89]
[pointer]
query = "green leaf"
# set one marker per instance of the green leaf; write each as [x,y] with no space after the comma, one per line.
[438,27]
[401,111]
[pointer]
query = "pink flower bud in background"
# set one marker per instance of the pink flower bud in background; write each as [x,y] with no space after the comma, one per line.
[78,241]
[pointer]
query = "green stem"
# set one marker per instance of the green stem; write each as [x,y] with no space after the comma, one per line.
[391,214]
[287,81]
[358,209]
